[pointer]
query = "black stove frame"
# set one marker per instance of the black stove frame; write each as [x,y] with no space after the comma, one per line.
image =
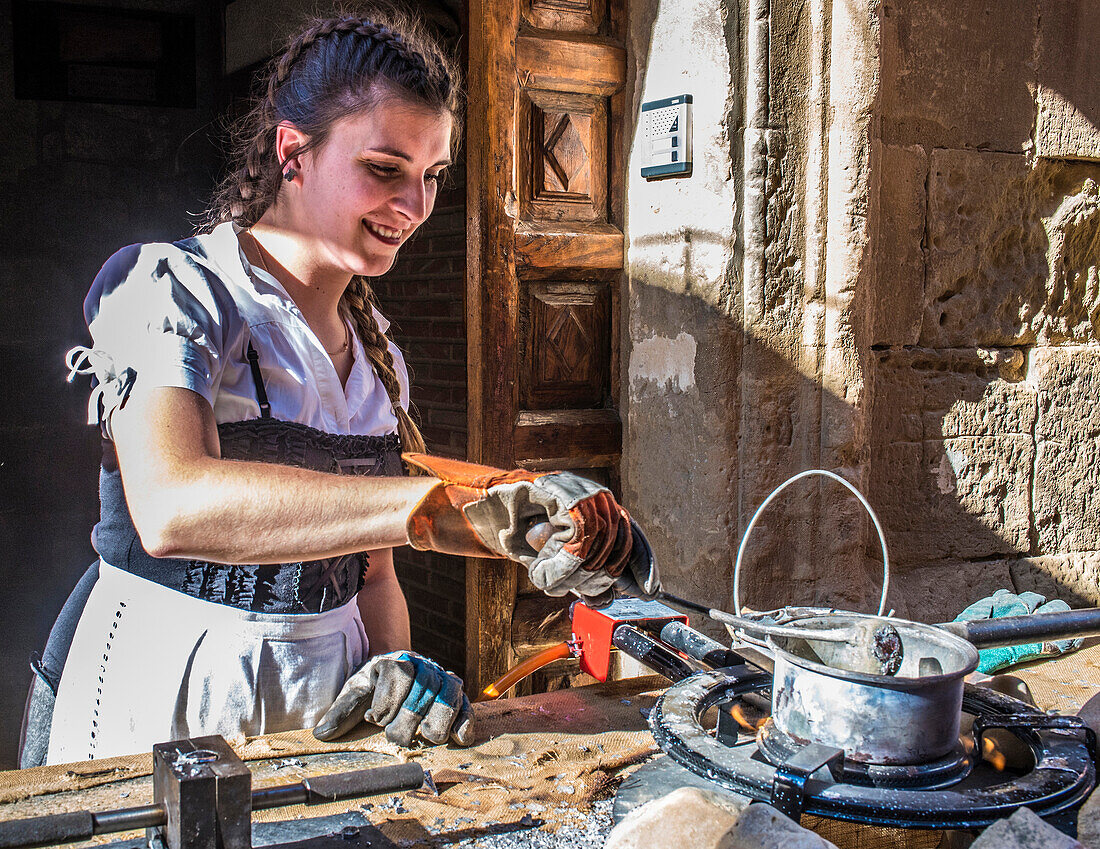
[812,780]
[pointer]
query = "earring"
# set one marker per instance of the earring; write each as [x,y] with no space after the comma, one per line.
[290,175]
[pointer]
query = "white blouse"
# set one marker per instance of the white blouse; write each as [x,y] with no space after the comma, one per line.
[182,315]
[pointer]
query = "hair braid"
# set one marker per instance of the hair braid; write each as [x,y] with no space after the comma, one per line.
[358,301]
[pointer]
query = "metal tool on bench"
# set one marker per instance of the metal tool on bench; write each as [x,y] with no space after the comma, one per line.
[204,800]
[847,739]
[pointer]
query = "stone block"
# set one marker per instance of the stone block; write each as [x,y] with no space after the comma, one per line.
[685,817]
[1068,92]
[1074,577]
[939,592]
[951,456]
[1067,439]
[1088,821]
[1024,830]
[1063,130]
[988,479]
[898,240]
[1014,251]
[958,75]
[761,826]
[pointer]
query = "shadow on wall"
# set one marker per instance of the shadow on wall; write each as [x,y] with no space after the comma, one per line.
[982,435]
[701,462]
[973,470]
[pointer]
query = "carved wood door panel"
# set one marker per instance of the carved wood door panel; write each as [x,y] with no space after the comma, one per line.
[544,201]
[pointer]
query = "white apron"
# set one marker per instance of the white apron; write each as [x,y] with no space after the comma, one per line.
[149,664]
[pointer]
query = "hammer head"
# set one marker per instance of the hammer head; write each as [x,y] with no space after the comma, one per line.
[206,791]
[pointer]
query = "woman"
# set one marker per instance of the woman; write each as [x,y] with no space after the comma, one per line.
[255,413]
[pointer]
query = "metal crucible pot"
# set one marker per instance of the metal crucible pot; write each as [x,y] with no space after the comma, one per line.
[820,695]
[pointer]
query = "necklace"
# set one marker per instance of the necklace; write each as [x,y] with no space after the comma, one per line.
[263,265]
[345,346]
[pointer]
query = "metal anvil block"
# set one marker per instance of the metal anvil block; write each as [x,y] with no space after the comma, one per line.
[206,791]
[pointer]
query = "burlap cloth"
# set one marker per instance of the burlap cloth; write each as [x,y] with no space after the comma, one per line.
[539,758]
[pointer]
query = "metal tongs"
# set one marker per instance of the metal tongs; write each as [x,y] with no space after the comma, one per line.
[871,645]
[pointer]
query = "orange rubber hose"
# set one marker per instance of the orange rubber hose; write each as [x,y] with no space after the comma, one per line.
[521,670]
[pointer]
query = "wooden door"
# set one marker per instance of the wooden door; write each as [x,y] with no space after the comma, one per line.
[544,201]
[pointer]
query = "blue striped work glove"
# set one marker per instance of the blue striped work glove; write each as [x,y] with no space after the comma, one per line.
[1004,603]
[406,694]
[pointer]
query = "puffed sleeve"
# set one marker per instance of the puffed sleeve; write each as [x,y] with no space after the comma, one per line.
[158,316]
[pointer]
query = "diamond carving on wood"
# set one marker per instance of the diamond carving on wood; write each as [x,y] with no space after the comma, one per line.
[569,345]
[567,333]
[565,155]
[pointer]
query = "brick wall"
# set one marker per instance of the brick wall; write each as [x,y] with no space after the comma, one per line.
[423,296]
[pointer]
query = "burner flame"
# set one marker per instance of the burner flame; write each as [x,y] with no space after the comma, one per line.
[743,720]
[992,755]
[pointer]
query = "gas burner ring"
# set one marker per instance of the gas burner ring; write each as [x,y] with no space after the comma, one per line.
[1063,776]
[778,748]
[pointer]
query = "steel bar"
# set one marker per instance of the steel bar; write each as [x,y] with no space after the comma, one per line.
[344,785]
[1033,628]
[754,626]
[699,646]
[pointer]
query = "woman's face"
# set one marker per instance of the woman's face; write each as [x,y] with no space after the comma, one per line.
[371,184]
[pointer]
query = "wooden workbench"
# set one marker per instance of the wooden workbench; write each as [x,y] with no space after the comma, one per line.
[538,758]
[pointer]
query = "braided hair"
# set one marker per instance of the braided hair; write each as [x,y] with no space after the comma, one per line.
[332,68]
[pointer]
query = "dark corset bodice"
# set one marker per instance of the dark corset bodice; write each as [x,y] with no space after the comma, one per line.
[309,586]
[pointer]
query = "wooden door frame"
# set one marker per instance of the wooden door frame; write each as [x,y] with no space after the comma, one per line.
[495,216]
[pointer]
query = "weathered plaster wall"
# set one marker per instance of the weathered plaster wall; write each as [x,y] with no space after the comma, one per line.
[681,333]
[984,435]
[756,265]
[751,273]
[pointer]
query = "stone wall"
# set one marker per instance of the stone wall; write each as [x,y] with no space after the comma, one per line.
[984,432]
[885,265]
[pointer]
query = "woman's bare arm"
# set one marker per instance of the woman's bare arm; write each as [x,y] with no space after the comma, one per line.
[188,502]
[382,606]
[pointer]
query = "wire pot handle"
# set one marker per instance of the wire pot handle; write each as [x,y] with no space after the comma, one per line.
[770,498]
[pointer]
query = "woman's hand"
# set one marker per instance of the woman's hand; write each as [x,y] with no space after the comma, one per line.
[479,511]
[408,695]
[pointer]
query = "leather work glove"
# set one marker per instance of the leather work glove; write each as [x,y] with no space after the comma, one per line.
[406,693]
[479,511]
[1004,603]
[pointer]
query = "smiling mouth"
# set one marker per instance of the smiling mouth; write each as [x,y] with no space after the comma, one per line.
[384,234]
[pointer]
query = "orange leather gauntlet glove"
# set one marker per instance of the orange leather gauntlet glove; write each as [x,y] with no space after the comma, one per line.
[479,511]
